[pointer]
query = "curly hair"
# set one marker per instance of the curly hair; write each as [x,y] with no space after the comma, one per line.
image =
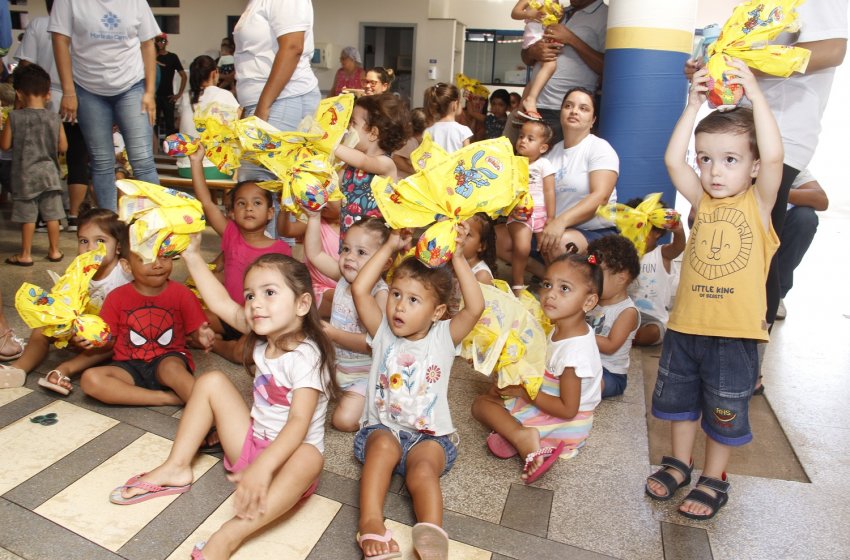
[438,279]
[297,278]
[617,253]
[390,116]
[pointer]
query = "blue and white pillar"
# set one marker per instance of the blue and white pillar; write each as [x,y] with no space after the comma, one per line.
[644,89]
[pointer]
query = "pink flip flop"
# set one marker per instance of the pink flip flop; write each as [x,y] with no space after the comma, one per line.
[530,115]
[386,538]
[197,551]
[500,447]
[430,541]
[153,491]
[551,453]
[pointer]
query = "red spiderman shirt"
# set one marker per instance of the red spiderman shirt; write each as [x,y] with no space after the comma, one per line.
[147,327]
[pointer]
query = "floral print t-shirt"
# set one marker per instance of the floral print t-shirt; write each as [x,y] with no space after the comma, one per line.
[409,381]
[356,186]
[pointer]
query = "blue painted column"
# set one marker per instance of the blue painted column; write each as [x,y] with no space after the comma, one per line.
[644,89]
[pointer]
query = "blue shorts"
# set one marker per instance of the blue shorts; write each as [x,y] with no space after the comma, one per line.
[407,440]
[710,377]
[144,372]
[615,383]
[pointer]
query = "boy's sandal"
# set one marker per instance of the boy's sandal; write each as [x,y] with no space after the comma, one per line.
[721,489]
[57,385]
[664,478]
[386,538]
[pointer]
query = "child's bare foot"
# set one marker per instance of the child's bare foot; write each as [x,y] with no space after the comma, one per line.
[165,476]
[706,499]
[375,539]
[529,108]
[673,475]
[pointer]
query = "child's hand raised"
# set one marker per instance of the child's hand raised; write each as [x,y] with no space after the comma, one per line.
[199,154]
[194,247]
[462,230]
[699,87]
[743,76]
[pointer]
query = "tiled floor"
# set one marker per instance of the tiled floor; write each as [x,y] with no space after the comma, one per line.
[55,480]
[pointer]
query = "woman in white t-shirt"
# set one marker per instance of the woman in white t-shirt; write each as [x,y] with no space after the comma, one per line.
[274,80]
[586,174]
[106,61]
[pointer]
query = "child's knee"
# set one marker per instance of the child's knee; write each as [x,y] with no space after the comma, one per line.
[345,419]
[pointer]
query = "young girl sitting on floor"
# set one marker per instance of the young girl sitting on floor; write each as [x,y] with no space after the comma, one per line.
[274,451]
[616,319]
[95,227]
[442,105]
[382,124]
[243,240]
[407,425]
[353,355]
[558,421]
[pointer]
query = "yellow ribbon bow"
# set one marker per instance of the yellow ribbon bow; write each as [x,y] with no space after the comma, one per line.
[61,311]
[482,177]
[161,219]
[746,36]
[636,223]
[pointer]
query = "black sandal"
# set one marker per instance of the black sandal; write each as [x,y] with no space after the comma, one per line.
[721,489]
[664,478]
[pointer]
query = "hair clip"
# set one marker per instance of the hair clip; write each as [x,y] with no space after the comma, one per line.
[591,260]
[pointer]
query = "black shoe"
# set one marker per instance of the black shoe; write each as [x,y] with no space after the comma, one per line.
[72,223]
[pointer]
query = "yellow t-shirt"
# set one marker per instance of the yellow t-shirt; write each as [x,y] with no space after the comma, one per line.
[722,287]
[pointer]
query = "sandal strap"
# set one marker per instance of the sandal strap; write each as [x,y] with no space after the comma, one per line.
[673,463]
[719,486]
[702,497]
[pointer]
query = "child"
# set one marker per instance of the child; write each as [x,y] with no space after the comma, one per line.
[353,356]
[652,290]
[243,239]
[532,143]
[496,118]
[407,423]
[36,137]
[149,319]
[533,33]
[95,227]
[382,126]
[401,157]
[442,105]
[274,451]
[558,421]
[616,319]
[709,362]
[7,103]
[479,249]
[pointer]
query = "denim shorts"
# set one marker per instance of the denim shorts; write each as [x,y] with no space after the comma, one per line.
[708,376]
[615,383]
[407,440]
[144,372]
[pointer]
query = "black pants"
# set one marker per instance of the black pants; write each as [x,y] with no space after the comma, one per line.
[777,217]
[165,115]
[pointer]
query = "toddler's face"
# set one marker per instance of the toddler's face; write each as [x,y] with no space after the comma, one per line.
[251,209]
[412,308]
[152,275]
[498,108]
[357,248]
[89,236]
[565,293]
[726,163]
[472,246]
[530,142]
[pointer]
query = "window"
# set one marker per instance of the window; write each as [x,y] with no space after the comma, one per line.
[493,56]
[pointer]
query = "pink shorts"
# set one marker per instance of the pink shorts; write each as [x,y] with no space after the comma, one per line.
[251,449]
[536,222]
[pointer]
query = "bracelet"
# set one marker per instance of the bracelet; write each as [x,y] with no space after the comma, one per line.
[519,288]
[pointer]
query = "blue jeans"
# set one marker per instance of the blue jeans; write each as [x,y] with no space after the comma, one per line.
[285,114]
[96,115]
[406,440]
[801,224]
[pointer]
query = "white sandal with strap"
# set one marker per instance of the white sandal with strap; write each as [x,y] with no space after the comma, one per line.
[8,337]
[47,384]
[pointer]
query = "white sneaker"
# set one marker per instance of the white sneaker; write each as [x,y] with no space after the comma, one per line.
[781,313]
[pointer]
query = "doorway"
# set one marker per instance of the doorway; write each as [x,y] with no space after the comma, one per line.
[391,46]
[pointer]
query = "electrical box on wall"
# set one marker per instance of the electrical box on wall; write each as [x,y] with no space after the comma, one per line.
[323,55]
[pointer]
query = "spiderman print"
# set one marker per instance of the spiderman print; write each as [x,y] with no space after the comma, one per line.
[151,330]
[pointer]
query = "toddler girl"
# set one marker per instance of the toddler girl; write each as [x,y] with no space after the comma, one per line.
[97,226]
[353,356]
[243,239]
[558,421]
[442,106]
[532,143]
[274,451]
[616,319]
[479,249]
[532,34]
[407,425]
[382,124]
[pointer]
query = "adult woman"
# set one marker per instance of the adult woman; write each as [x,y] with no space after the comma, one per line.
[586,173]
[350,73]
[378,80]
[274,81]
[107,67]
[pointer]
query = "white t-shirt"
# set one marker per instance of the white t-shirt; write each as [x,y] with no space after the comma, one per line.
[572,174]
[409,381]
[99,289]
[803,177]
[449,135]
[581,354]
[105,41]
[211,95]
[350,365]
[37,47]
[602,318]
[653,287]
[275,379]
[537,170]
[798,102]
[256,34]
